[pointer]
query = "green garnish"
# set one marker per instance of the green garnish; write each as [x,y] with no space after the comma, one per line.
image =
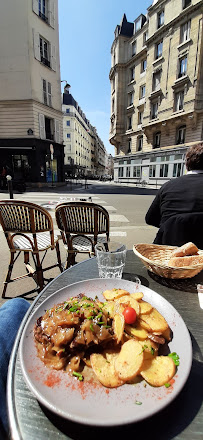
[107,326]
[152,350]
[143,348]
[91,327]
[175,358]
[78,375]
[137,402]
[167,384]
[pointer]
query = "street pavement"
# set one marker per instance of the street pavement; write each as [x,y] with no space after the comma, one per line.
[126,204]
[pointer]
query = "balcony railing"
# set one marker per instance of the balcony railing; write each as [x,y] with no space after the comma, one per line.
[43,16]
[45,61]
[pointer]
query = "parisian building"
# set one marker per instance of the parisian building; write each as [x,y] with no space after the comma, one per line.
[157,91]
[31,121]
[84,152]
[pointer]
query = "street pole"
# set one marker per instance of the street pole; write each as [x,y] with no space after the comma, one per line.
[10,185]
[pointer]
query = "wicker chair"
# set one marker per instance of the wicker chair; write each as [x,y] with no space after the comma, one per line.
[82,225]
[28,228]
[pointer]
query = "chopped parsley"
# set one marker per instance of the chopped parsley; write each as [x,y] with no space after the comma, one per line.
[175,358]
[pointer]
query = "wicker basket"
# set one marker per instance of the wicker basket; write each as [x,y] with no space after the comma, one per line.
[155,258]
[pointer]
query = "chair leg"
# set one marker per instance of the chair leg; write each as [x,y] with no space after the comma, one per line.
[39,273]
[8,276]
[70,261]
[59,256]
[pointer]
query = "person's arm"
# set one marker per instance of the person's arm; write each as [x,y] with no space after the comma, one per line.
[153,215]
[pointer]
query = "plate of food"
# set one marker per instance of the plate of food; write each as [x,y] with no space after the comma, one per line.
[105,352]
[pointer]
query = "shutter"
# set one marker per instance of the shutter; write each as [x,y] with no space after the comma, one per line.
[57,134]
[36,45]
[35,6]
[42,133]
[51,13]
[53,57]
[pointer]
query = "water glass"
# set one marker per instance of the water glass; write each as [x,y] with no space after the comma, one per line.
[111,259]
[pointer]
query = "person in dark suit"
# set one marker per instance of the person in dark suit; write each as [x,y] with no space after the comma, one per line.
[178,201]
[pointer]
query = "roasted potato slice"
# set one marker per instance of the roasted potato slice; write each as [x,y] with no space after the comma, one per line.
[109,308]
[145,307]
[144,324]
[158,371]
[118,326]
[103,367]
[137,295]
[138,332]
[128,300]
[129,361]
[114,294]
[155,320]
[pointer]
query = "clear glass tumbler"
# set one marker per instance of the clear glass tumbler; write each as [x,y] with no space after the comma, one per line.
[111,259]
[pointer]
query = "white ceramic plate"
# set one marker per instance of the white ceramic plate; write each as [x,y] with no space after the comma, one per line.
[92,404]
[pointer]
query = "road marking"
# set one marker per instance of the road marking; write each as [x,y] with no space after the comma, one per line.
[118,218]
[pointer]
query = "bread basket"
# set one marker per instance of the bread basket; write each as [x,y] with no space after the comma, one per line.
[155,258]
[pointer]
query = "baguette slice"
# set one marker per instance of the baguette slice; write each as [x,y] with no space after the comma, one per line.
[187,249]
[192,260]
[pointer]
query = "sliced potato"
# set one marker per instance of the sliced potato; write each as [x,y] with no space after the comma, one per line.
[158,371]
[128,300]
[118,326]
[109,308]
[103,367]
[155,320]
[149,346]
[137,295]
[144,324]
[114,294]
[137,331]
[129,361]
[145,307]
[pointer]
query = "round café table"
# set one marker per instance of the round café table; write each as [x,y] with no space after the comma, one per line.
[182,419]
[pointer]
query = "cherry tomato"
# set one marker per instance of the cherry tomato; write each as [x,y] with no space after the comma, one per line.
[130,315]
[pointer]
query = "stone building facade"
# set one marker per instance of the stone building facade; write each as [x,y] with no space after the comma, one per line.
[157,91]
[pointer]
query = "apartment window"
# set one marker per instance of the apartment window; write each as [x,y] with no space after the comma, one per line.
[44,51]
[137,172]
[47,93]
[140,143]
[163,170]
[127,171]
[129,145]
[154,110]
[49,128]
[67,110]
[143,65]
[186,3]
[129,123]
[182,67]
[180,139]
[152,171]
[43,10]
[179,100]
[68,123]
[157,139]
[160,19]
[185,32]
[68,136]
[158,49]
[142,91]
[133,48]
[120,172]
[138,25]
[132,73]
[130,98]
[156,81]
[177,168]
[145,38]
[140,117]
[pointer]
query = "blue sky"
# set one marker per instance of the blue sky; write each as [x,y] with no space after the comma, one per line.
[86,33]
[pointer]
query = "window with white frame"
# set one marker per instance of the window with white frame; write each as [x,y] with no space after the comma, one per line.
[145,37]
[47,98]
[129,145]
[133,48]
[132,73]
[68,135]
[140,117]
[156,81]
[68,123]
[43,9]
[129,123]
[163,170]
[179,100]
[137,171]
[139,143]
[44,51]
[185,32]
[67,110]
[120,172]
[180,136]
[138,24]
[159,49]
[154,110]
[152,171]
[177,169]
[182,66]
[143,65]
[142,91]
[127,171]
[157,139]
[130,98]
[186,3]
[160,19]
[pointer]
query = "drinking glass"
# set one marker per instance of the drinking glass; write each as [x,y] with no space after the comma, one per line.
[111,259]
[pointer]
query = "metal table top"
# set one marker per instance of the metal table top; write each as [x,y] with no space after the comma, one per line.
[182,419]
